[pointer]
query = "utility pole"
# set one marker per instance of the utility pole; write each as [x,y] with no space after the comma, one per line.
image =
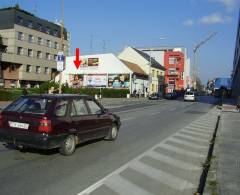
[62,46]
[150,71]
[195,54]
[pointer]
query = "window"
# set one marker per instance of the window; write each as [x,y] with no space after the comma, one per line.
[172,60]
[94,108]
[46,70]
[20,36]
[29,68]
[48,43]
[30,38]
[55,57]
[39,54]
[153,73]
[19,20]
[30,53]
[19,51]
[78,108]
[40,41]
[47,30]
[13,67]
[39,27]
[30,23]
[61,108]
[38,69]
[172,71]
[48,57]
[55,45]
[55,33]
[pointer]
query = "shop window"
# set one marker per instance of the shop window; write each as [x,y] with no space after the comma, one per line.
[172,60]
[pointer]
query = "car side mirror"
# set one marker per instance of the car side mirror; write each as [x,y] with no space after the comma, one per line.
[105,110]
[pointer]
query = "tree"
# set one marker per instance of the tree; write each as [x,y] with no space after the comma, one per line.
[17,6]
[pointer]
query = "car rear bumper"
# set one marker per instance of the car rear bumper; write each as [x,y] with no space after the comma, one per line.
[189,98]
[34,140]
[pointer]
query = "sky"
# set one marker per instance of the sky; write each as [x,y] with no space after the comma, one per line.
[98,26]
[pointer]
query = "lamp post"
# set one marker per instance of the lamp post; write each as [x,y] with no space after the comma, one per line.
[62,46]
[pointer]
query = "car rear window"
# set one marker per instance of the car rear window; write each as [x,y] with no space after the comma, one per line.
[30,105]
[189,93]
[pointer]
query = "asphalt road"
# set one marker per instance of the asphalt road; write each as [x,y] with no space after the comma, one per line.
[143,125]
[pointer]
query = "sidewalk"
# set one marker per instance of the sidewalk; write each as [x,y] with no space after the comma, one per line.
[226,157]
[228,174]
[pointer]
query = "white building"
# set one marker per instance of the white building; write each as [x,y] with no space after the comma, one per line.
[105,71]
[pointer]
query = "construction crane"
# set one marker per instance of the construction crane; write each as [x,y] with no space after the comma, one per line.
[195,50]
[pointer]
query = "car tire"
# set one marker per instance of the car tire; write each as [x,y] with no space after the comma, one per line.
[113,133]
[68,146]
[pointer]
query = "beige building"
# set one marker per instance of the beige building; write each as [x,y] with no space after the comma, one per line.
[156,71]
[29,48]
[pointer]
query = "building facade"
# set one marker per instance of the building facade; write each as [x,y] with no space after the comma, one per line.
[174,64]
[236,65]
[161,55]
[31,47]
[104,71]
[149,65]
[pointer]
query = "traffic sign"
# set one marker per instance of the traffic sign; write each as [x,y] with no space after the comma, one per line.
[60,61]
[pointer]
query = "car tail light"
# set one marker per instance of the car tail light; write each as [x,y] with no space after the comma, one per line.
[45,125]
[1,121]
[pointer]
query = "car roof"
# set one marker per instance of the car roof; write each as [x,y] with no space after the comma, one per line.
[58,96]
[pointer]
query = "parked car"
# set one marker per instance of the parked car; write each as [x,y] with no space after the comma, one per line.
[170,96]
[56,121]
[190,96]
[155,96]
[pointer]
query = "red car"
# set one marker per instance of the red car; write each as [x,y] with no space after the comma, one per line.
[56,121]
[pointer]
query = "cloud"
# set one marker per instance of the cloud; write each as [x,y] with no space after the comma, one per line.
[215,18]
[188,22]
[228,4]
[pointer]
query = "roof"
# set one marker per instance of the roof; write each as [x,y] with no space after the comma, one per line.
[57,95]
[154,63]
[134,67]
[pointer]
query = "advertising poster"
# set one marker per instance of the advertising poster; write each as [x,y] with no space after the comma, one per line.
[76,80]
[96,80]
[118,80]
[93,62]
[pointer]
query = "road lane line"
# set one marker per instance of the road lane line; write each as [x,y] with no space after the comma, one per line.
[198,129]
[161,176]
[122,186]
[172,161]
[194,134]
[190,144]
[206,134]
[180,151]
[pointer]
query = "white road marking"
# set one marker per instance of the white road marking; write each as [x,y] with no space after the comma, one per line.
[190,144]
[180,151]
[122,186]
[198,129]
[127,119]
[172,161]
[194,138]
[172,181]
[165,178]
[186,132]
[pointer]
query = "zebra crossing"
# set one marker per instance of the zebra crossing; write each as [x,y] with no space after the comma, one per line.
[172,166]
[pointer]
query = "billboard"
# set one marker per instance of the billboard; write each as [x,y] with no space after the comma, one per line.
[118,80]
[89,62]
[95,80]
[76,80]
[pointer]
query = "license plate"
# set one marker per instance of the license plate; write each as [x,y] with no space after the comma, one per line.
[18,125]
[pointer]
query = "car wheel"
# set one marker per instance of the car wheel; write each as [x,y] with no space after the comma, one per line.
[68,145]
[113,133]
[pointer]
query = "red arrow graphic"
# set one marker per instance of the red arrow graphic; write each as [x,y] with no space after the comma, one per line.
[77,62]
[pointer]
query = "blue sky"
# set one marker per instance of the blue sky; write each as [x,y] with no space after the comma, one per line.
[139,23]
